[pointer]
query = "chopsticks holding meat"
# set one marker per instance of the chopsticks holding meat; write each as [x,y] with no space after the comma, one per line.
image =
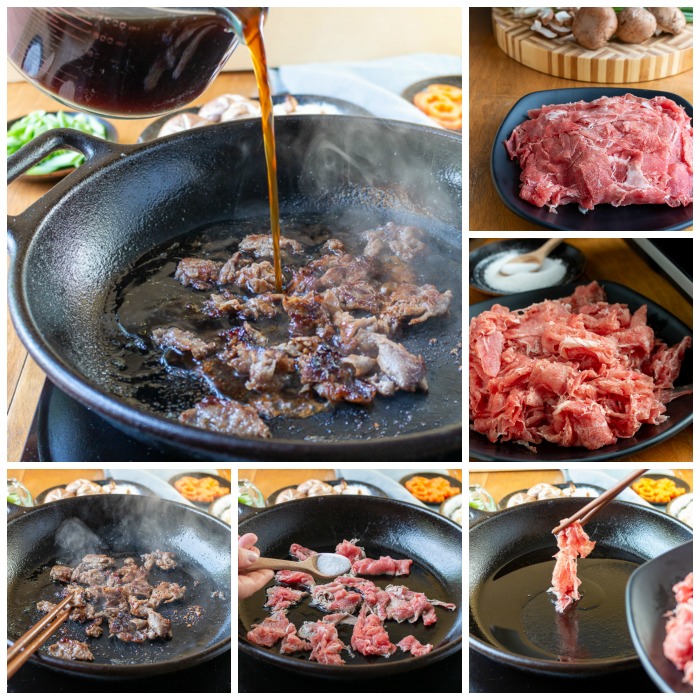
[597,504]
[31,640]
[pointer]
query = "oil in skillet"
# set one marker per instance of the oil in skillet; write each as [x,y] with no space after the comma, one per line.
[515,612]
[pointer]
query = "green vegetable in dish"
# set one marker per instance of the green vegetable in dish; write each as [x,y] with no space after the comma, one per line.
[246,499]
[14,498]
[24,130]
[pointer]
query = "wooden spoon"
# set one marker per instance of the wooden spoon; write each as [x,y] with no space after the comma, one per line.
[536,256]
[318,565]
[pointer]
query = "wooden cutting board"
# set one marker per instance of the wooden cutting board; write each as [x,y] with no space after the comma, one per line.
[616,62]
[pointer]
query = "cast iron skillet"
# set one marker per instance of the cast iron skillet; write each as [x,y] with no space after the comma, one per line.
[69,249]
[64,531]
[383,526]
[592,637]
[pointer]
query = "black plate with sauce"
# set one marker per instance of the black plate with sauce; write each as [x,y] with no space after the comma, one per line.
[680,411]
[634,217]
[573,259]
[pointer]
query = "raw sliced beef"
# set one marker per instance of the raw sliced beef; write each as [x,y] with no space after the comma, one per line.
[335,597]
[295,578]
[412,645]
[350,550]
[326,646]
[614,150]
[573,542]
[271,630]
[281,597]
[369,636]
[301,553]
[382,566]
[678,644]
[576,371]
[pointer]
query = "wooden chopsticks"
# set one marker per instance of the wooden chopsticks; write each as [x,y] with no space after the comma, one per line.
[30,641]
[597,504]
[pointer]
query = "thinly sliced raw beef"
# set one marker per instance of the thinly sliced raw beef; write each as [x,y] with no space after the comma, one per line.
[614,150]
[281,597]
[295,578]
[576,372]
[369,636]
[271,630]
[573,542]
[382,566]
[350,550]
[326,646]
[412,645]
[301,553]
[678,644]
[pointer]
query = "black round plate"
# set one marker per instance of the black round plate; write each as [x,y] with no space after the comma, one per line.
[431,475]
[200,475]
[58,174]
[572,257]
[678,482]
[649,596]
[342,107]
[143,490]
[373,490]
[605,217]
[666,327]
[502,504]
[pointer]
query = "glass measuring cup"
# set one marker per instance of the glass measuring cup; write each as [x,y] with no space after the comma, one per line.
[123,62]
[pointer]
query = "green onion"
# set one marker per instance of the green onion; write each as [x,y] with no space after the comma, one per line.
[24,130]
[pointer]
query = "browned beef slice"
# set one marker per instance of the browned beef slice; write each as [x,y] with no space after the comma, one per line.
[226,416]
[417,303]
[231,267]
[69,649]
[163,560]
[197,273]
[307,316]
[128,629]
[181,341]
[406,242]
[257,278]
[260,245]
[61,573]
[407,371]
[158,626]
[95,629]
[166,592]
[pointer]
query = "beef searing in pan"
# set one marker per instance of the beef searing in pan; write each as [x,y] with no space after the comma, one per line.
[333,337]
[124,598]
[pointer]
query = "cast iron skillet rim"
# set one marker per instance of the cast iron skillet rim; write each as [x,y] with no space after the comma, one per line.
[92,670]
[88,393]
[315,669]
[557,667]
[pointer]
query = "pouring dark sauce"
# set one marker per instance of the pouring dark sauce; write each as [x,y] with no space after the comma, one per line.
[139,62]
[515,613]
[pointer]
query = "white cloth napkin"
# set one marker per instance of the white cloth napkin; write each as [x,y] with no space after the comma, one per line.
[374,85]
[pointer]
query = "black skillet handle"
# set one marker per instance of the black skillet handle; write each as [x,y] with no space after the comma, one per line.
[14,511]
[96,151]
[477,516]
[245,511]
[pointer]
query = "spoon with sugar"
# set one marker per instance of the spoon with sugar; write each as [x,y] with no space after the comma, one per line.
[529,262]
[318,565]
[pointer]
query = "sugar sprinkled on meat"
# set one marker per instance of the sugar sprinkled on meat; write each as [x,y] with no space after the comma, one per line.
[340,598]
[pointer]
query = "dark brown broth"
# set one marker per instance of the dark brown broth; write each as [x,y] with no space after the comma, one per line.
[514,611]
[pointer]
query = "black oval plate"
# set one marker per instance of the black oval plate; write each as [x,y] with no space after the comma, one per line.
[666,326]
[605,217]
[572,257]
[648,597]
[151,132]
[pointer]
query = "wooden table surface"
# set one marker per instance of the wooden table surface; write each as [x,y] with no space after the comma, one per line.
[496,83]
[38,480]
[501,483]
[612,259]
[24,378]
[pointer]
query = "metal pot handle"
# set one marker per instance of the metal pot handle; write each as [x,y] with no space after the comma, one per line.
[96,151]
